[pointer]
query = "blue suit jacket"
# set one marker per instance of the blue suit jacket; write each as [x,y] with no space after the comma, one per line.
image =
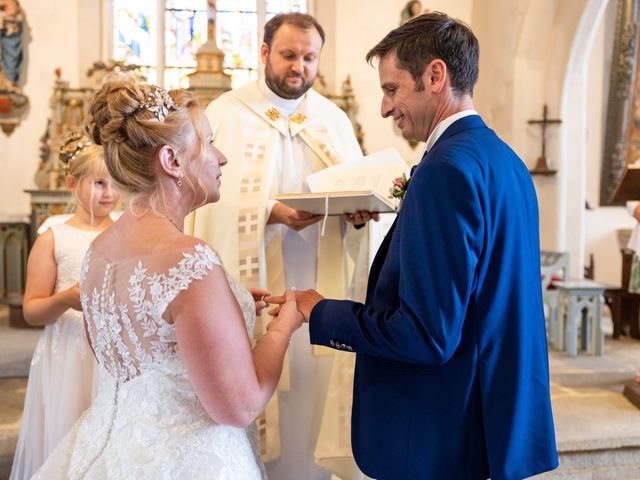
[452,378]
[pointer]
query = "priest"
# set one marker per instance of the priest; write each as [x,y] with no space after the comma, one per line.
[275,132]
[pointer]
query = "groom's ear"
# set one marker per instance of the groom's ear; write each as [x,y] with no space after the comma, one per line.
[169,162]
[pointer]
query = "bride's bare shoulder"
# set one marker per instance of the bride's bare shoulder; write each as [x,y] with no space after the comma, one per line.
[188,242]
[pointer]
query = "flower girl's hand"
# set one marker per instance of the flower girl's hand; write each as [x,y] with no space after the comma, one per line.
[259,297]
[72,297]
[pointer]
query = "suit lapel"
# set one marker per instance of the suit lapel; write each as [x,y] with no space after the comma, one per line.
[465,123]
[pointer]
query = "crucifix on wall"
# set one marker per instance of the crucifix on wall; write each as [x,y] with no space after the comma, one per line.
[543,164]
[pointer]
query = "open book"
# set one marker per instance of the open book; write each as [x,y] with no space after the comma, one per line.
[347,187]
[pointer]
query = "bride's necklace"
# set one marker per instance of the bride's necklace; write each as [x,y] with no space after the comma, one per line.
[173,222]
[179,227]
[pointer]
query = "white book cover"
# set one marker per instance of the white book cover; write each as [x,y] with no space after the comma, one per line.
[337,203]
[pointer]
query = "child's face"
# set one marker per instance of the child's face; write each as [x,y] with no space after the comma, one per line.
[97,195]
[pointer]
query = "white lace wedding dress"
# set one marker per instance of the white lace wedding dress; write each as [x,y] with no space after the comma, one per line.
[146,421]
[61,378]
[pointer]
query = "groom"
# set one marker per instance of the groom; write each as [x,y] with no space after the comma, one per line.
[451,376]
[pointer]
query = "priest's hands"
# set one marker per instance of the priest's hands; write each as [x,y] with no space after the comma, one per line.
[294,219]
[305,300]
[259,298]
[360,217]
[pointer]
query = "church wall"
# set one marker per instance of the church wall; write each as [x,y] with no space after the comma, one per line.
[59,34]
[523,65]
[541,56]
[358,28]
[494,94]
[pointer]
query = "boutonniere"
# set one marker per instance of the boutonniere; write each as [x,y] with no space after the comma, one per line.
[398,190]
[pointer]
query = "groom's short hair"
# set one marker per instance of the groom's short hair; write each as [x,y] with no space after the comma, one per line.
[433,35]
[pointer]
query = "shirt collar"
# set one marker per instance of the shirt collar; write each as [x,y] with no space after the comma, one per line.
[285,105]
[444,124]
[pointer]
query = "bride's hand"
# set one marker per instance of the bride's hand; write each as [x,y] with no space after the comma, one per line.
[288,318]
[259,295]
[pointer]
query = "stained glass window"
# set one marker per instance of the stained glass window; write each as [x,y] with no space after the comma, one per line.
[162,36]
[134,36]
[237,36]
[185,32]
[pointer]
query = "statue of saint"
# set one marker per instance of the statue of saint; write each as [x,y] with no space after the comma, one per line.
[11,22]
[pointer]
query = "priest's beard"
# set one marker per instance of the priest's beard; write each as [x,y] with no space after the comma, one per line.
[279,86]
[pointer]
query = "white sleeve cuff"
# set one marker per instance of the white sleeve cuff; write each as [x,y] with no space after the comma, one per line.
[270,204]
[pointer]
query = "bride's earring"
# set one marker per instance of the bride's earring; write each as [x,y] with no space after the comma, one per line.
[179,181]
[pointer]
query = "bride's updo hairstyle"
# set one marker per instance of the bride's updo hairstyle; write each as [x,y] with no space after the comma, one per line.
[132,121]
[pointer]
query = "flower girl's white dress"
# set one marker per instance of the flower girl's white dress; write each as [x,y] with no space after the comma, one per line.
[146,421]
[61,378]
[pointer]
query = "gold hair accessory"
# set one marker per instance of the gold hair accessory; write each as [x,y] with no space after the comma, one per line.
[72,144]
[158,102]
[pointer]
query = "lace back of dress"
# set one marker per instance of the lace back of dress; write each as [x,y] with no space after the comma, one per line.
[124,304]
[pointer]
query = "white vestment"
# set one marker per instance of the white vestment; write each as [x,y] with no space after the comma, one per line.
[272,145]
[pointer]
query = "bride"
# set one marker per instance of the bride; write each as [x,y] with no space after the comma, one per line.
[180,384]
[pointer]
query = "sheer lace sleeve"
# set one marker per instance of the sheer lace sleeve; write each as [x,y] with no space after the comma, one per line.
[124,304]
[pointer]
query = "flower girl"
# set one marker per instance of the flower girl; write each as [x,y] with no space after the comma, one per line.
[61,378]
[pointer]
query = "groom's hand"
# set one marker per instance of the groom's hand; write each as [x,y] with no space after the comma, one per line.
[305,300]
[295,219]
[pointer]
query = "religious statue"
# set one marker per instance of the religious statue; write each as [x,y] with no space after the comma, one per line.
[11,20]
[13,104]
